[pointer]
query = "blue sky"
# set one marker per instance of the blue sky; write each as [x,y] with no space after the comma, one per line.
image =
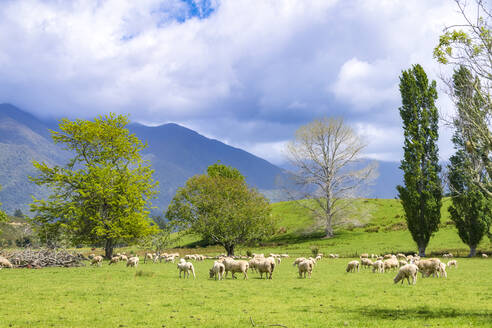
[246,72]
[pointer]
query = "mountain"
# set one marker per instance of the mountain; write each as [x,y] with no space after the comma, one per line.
[175,152]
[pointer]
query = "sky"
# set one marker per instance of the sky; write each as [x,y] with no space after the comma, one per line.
[245,72]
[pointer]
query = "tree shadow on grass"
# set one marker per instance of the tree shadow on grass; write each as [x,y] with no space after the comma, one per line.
[421,312]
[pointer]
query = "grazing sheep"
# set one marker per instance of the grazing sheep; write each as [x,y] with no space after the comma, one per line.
[169,259]
[284,255]
[388,256]
[407,271]
[374,256]
[114,260]
[4,263]
[278,260]
[312,259]
[452,263]
[266,266]
[401,256]
[318,258]
[149,256]
[447,255]
[132,261]
[91,256]
[378,266]
[391,263]
[366,262]
[217,270]
[236,266]
[484,255]
[364,256]
[353,266]
[252,264]
[186,267]
[298,260]
[441,272]
[258,255]
[380,258]
[123,257]
[97,260]
[402,263]
[304,267]
[428,267]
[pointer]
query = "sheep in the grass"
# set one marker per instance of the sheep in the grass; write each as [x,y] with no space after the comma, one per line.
[484,255]
[217,270]
[332,256]
[441,272]
[258,255]
[91,256]
[132,262]
[312,259]
[407,271]
[148,256]
[97,260]
[236,266]
[447,255]
[298,260]
[170,259]
[364,256]
[391,263]
[186,267]
[284,255]
[4,263]
[401,256]
[318,258]
[388,256]
[353,266]
[452,263]
[266,266]
[278,260]
[378,266]
[366,262]
[304,267]
[114,260]
[123,257]
[428,267]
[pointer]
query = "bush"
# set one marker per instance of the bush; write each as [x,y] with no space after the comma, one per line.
[372,229]
[315,250]
[248,253]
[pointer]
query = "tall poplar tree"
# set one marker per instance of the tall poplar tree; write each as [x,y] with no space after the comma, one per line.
[422,193]
[471,209]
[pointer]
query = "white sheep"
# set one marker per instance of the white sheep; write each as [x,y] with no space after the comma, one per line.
[97,260]
[298,260]
[284,255]
[402,263]
[186,267]
[353,266]
[452,263]
[149,256]
[318,258]
[378,266]
[266,266]
[484,255]
[123,257]
[114,260]
[364,256]
[441,272]
[236,266]
[132,261]
[366,262]
[428,267]
[304,267]
[217,270]
[4,263]
[401,256]
[407,271]
[391,263]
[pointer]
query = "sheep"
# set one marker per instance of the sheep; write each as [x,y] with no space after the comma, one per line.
[378,266]
[484,255]
[123,257]
[380,258]
[217,270]
[352,266]
[402,263]
[312,259]
[426,267]
[278,260]
[442,270]
[169,259]
[252,264]
[284,255]
[266,266]
[304,267]
[149,256]
[447,255]
[407,271]
[298,260]
[452,263]
[318,258]
[388,256]
[364,256]
[258,255]
[401,256]
[4,263]
[91,256]
[236,266]
[391,263]
[114,260]
[366,262]
[132,261]
[97,260]
[374,256]
[332,256]
[190,257]
[186,267]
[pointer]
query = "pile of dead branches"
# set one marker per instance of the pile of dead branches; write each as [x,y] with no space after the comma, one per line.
[42,258]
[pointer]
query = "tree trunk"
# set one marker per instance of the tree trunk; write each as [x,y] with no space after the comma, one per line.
[422,251]
[328,231]
[473,251]
[328,228]
[230,250]
[108,249]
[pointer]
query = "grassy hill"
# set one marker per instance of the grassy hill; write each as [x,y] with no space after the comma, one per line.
[383,231]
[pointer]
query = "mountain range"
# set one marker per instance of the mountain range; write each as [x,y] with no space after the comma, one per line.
[175,152]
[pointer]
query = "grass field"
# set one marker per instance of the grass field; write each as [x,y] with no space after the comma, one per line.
[115,296]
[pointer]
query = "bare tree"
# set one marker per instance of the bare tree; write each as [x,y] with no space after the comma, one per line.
[327,155]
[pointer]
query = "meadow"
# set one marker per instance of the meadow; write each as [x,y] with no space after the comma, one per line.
[153,296]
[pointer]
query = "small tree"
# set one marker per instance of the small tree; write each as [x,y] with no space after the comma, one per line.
[18,213]
[3,215]
[327,154]
[103,193]
[221,207]
[159,240]
[422,193]
[471,210]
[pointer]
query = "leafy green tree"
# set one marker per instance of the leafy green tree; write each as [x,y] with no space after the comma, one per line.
[18,213]
[471,209]
[103,193]
[3,215]
[469,44]
[421,196]
[221,207]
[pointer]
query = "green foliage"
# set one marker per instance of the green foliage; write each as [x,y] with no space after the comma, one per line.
[103,193]
[422,193]
[159,240]
[3,215]
[222,208]
[471,209]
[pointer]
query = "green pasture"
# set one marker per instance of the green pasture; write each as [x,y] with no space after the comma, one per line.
[116,296]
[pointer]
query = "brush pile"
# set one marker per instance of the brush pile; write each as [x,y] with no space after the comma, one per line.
[43,258]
